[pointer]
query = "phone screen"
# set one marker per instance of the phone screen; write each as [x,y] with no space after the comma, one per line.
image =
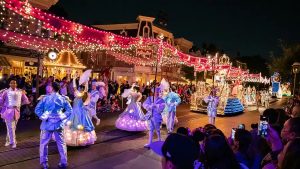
[263,127]
[233,133]
[241,126]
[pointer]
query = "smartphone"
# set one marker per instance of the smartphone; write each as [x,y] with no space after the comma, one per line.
[233,133]
[241,126]
[263,126]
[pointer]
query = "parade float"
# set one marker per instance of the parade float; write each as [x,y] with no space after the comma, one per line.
[228,81]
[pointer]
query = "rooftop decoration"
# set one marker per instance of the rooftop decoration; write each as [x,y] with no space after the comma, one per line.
[65,58]
[77,37]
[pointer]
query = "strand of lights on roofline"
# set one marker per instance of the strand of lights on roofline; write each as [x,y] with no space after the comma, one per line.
[22,41]
[74,29]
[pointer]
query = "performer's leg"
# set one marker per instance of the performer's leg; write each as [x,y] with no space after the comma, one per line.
[44,140]
[7,143]
[171,119]
[61,145]
[213,120]
[150,139]
[10,138]
[14,127]
[168,123]
[158,134]
[97,119]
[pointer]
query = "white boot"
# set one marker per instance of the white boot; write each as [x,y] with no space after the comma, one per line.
[150,140]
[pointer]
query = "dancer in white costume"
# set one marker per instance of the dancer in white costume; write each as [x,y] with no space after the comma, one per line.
[213,101]
[92,106]
[11,99]
[131,118]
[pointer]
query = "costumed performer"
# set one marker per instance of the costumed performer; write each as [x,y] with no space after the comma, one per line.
[172,100]
[131,118]
[80,130]
[213,101]
[11,100]
[50,110]
[154,105]
[92,106]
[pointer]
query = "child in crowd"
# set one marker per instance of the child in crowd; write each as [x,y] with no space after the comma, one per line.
[114,104]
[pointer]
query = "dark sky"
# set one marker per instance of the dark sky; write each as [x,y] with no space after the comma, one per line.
[248,26]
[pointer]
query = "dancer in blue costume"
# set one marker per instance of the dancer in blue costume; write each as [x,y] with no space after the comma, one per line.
[172,100]
[79,130]
[153,116]
[50,110]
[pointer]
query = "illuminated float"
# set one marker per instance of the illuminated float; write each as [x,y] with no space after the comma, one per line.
[228,81]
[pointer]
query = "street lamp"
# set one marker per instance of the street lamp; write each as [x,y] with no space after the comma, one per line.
[296,69]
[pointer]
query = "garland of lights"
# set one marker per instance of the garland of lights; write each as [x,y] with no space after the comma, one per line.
[78,37]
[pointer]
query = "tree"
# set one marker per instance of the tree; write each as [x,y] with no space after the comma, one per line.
[58,10]
[255,63]
[283,63]
[210,48]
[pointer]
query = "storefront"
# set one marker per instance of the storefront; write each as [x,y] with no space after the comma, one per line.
[63,64]
[18,65]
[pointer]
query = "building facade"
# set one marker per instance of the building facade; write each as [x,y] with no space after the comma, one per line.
[143,27]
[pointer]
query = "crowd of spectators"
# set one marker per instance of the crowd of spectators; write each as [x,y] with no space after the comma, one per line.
[245,148]
[110,103]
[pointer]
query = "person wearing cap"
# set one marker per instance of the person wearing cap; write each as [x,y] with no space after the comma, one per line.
[94,96]
[11,101]
[213,101]
[154,106]
[50,110]
[178,152]
[172,100]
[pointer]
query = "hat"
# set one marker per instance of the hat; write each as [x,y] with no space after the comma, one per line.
[182,151]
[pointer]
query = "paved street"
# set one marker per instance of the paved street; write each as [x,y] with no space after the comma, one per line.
[114,149]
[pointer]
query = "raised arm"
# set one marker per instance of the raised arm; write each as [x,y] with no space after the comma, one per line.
[86,87]
[74,83]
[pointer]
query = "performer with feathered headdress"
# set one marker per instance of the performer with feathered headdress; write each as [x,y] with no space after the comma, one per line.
[131,118]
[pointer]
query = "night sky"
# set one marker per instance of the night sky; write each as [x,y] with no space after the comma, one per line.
[250,27]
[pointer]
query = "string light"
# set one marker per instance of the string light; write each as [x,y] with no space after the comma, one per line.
[80,38]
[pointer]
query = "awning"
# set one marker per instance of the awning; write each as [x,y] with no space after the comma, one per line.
[4,61]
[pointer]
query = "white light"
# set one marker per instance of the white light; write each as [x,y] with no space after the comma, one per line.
[52,55]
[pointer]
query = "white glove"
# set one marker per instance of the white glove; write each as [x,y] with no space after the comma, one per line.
[45,116]
[62,116]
